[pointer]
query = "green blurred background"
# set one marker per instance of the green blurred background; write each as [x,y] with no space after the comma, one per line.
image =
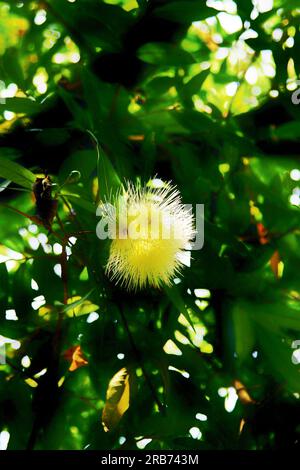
[198,93]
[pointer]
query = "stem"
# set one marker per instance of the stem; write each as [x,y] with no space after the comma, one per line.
[95,140]
[64,273]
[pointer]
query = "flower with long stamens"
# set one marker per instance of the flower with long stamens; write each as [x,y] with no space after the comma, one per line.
[152,230]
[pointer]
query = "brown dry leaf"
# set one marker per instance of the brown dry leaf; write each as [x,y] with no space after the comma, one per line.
[274,262]
[136,138]
[242,392]
[263,234]
[242,424]
[117,399]
[75,356]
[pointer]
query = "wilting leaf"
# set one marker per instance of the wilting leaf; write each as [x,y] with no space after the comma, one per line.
[244,333]
[175,297]
[262,234]
[194,84]
[243,393]
[184,12]
[288,131]
[107,176]
[21,105]
[80,201]
[76,357]
[117,400]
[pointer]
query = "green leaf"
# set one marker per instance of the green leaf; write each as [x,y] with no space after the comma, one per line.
[20,106]
[160,85]
[9,153]
[80,201]
[288,131]
[164,54]
[108,178]
[197,122]
[53,136]
[175,296]
[277,317]
[11,67]
[243,330]
[194,85]
[12,171]
[79,115]
[185,12]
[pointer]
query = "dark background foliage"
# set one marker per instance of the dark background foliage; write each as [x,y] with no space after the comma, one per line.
[94,92]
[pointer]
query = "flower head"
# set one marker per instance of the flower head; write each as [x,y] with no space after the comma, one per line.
[152,230]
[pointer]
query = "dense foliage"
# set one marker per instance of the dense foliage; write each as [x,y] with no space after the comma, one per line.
[203,94]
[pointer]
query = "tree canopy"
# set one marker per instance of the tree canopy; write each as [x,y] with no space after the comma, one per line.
[99,94]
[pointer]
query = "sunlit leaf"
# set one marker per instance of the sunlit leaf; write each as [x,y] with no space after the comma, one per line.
[117,400]
[243,393]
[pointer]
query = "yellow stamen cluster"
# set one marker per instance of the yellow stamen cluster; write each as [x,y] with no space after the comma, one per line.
[153,230]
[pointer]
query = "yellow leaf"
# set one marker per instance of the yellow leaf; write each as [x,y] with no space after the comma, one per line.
[45,311]
[76,357]
[117,400]
[32,383]
[81,306]
[242,392]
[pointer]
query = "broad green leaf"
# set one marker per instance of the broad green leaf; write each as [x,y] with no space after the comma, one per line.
[82,307]
[78,200]
[164,54]
[160,84]
[243,330]
[288,131]
[108,178]
[277,317]
[11,67]
[12,171]
[175,296]
[194,85]
[53,136]
[277,350]
[20,106]
[185,12]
